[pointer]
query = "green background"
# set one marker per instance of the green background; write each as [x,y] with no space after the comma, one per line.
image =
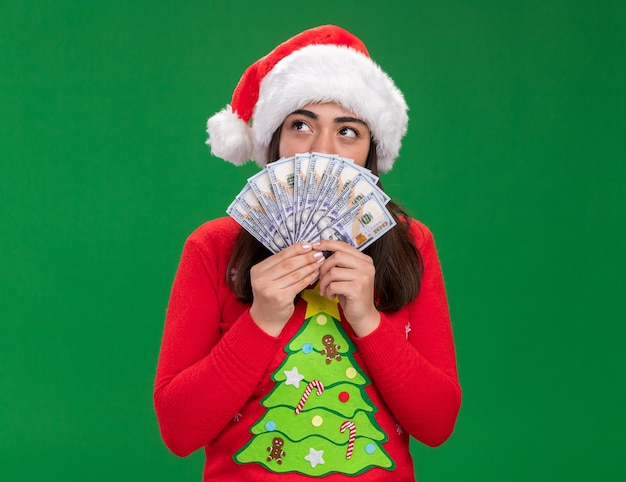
[514,158]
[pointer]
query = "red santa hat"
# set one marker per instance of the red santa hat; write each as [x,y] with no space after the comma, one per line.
[323,64]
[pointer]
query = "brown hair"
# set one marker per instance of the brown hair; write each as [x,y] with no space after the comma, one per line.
[397,260]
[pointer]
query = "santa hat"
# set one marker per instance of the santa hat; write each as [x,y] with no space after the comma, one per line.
[323,64]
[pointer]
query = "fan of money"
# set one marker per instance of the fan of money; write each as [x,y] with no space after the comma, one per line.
[309,197]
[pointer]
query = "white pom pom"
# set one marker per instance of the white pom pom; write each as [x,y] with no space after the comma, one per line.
[230,137]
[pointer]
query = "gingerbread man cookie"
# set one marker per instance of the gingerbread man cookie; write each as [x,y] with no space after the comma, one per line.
[276,450]
[331,349]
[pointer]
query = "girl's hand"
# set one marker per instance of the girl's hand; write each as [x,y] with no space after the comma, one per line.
[349,275]
[277,280]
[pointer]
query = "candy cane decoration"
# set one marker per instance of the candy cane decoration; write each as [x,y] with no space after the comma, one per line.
[307,391]
[352,427]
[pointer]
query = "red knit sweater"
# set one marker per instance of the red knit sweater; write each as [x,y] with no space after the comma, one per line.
[215,364]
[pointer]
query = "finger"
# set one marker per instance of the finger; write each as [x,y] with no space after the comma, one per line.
[336,275]
[288,252]
[286,274]
[351,260]
[300,278]
[291,259]
[332,246]
[341,289]
[356,272]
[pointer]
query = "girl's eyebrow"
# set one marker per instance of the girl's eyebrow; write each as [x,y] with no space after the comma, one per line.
[306,113]
[341,120]
[337,120]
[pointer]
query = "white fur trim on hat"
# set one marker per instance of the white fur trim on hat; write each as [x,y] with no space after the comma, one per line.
[331,73]
[230,137]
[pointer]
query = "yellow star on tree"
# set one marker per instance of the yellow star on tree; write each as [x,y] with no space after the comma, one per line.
[317,303]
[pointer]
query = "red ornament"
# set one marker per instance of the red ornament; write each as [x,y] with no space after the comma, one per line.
[344,397]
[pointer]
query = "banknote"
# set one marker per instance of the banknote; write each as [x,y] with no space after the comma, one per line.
[282,179]
[302,166]
[363,224]
[240,213]
[262,187]
[343,198]
[313,196]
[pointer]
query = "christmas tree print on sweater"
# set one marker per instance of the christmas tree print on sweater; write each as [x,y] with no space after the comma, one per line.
[319,419]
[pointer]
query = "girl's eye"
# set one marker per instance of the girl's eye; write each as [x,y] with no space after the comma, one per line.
[348,132]
[300,126]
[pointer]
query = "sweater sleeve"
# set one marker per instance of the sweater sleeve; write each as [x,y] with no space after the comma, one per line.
[417,377]
[204,377]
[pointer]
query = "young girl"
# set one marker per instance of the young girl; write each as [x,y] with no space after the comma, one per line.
[276,375]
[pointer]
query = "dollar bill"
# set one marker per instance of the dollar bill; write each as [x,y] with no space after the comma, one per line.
[316,176]
[337,203]
[282,178]
[240,213]
[261,221]
[262,186]
[322,173]
[302,165]
[367,221]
